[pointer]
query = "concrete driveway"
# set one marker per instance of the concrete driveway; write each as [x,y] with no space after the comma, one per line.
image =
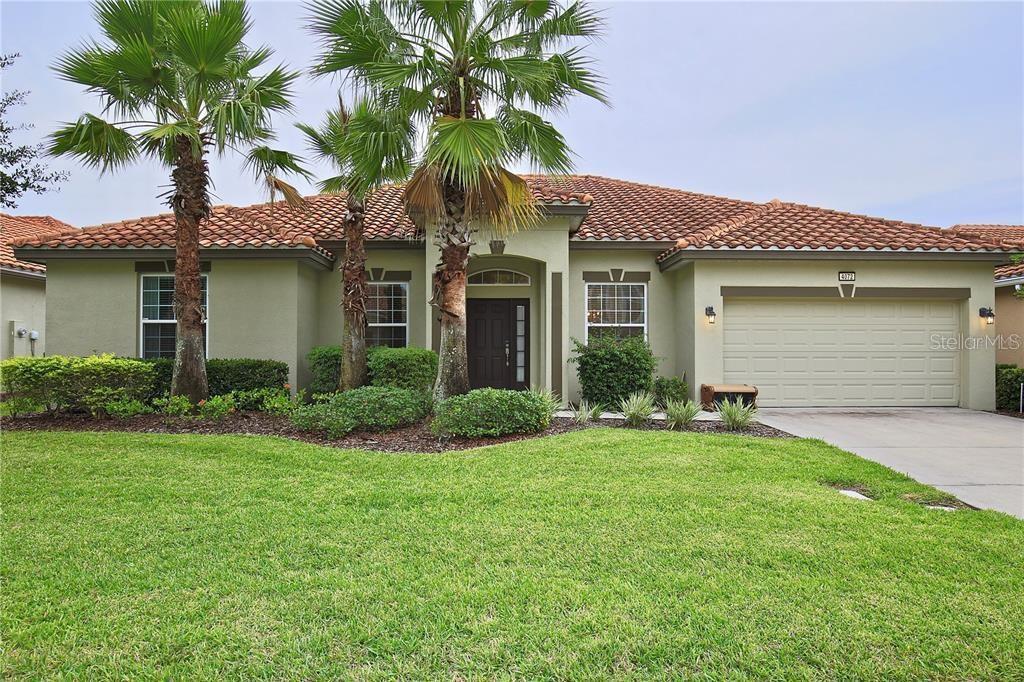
[977,456]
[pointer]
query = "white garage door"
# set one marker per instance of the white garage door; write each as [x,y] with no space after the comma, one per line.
[842,352]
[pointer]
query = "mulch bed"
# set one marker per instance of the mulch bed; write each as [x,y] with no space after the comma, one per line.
[416,438]
[1008,413]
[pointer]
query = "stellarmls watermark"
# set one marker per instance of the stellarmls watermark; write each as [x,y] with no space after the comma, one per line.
[963,342]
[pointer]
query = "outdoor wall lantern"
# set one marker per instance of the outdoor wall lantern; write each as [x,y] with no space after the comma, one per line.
[988,313]
[709,312]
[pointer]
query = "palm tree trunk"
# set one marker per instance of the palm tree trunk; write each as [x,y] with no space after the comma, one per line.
[454,238]
[191,205]
[353,282]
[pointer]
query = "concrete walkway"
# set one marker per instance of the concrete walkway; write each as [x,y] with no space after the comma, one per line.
[977,456]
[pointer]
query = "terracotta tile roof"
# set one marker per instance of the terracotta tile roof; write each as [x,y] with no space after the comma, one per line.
[782,225]
[1009,271]
[228,227]
[15,227]
[1011,234]
[617,210]
[632,211]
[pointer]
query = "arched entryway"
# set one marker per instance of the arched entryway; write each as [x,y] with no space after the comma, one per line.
[502,325]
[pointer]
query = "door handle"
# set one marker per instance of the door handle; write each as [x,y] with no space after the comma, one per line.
[506,353]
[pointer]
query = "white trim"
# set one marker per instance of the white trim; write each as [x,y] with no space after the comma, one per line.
[1007,281]
[587,324]
[142,322]
[529,280]
[405,288]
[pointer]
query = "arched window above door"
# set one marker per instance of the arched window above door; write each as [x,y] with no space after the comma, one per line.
[499,277]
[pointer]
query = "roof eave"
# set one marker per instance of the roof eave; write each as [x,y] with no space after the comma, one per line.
[9,271]
[44,254]
[683,255]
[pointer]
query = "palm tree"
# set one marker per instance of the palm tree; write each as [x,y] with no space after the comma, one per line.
[177,81]
[471,77]
[369,147]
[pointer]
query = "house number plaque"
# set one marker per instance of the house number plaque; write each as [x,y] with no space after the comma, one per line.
[847,276]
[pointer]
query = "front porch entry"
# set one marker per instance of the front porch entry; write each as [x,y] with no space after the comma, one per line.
[498,342]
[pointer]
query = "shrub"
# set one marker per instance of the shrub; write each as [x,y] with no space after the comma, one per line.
[1008,381]
[282,404]
[637,408]
[325,366]
[370,408]
[670,389]
[61,382]
[224,375]
[585,412]
[492,412]
[125,409]
[610,368]
[552,403]
[679,414]
[413,368]
[253,400]
[217,407]
[174,406]
[735,415]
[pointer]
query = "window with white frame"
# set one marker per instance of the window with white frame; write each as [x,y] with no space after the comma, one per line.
[387,314]
[619,309]
[157,315]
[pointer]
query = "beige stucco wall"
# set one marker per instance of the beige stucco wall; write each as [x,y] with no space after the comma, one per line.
[978,390]
[1010,326]
[254,310]
[93,307]
[257,308]
[22,301]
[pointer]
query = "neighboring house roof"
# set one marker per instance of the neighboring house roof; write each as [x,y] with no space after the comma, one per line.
[616,211]
[17,227]
[1007,234]
[1011,234]
[1010,271]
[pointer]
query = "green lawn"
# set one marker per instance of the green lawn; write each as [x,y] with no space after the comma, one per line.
[596,554]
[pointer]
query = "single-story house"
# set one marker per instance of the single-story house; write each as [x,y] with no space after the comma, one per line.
[1009,280]
[23,286]
[813,306]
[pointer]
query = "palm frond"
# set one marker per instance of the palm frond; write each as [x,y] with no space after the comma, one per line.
[537,140]
[263,162]
[94,142]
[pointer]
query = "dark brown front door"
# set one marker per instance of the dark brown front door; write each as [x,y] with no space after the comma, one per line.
[498,342]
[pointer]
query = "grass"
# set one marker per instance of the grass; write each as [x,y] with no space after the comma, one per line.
[603,553]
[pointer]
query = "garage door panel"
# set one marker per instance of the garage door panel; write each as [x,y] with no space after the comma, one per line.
[844,352]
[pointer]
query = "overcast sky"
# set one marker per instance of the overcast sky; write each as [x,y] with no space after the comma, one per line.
[911,111]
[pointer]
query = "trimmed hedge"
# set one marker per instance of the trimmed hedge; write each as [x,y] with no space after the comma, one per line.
[226,375]
[1008,381]
[493,412]
[62,382]
[670,389]
[325,366]
[369,408]
[412,368]
[612,368]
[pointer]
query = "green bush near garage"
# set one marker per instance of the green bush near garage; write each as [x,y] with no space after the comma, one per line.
[611,368]
[1008,381]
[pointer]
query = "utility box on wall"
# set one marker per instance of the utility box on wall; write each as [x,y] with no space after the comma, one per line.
[17,340]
